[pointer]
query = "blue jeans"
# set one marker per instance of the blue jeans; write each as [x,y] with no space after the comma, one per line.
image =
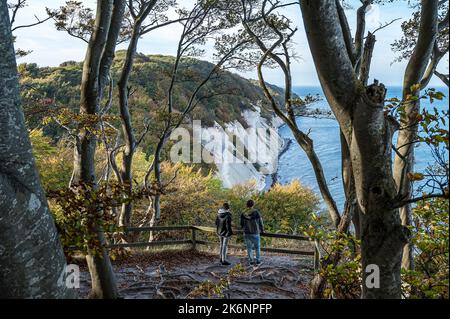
[252,241]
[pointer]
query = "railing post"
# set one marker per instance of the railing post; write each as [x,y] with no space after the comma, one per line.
[194,238]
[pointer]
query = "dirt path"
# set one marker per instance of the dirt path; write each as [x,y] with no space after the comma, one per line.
[191,274]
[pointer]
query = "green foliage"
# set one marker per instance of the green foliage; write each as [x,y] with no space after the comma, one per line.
[430,229]
[59,83]
[79,210]
[197,196]
[54,161]
[343,277]
[285,208]
[42,88]
[78,217]
[194,201]
[406,44]
[434,127]
[433,131]
[83,210]
[79,21]
[221,100]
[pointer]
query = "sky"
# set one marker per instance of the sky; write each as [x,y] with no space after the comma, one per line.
[51,47]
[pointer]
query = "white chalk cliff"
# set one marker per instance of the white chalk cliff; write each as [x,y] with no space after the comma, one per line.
[241,154]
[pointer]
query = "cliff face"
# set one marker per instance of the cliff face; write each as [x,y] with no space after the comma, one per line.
[245,154]
[250,143]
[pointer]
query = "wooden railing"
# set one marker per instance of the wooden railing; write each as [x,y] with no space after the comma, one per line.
[194,241]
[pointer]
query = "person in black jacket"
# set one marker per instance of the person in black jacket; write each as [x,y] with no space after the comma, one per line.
[223,225]
[253,226]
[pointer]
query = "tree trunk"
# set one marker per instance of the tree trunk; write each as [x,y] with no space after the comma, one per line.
[84,157]
[414,74]
[127,180]
[99,56]
[154,220]
[366,61]
[32,261]
[382,233]
[408,250]
[368,133]
[404,164]
[103,281]
[156,200]
[127,129]
[348,184]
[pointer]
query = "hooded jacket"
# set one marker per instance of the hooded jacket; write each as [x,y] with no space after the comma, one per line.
[223,223]
[252,223]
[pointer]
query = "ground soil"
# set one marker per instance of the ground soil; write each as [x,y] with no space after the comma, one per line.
[194,274]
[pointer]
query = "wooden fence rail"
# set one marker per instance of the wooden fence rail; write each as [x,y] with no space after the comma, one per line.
[194,241]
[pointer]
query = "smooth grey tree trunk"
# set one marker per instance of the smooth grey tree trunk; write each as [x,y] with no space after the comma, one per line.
[32,261]
[127,129]
[156,199]
[368,133]
[414,75]
[97,64]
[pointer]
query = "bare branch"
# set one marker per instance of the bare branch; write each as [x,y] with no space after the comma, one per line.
[418,199]
[31,24]
[381,27]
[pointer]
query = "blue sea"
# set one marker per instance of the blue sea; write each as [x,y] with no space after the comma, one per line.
[293,163]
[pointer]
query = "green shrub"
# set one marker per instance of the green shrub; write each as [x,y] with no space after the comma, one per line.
[431,242]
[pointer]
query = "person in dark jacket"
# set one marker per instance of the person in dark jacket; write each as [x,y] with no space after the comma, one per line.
[253,226]
[224,230]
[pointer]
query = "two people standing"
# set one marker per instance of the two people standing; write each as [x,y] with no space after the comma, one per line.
[252,226]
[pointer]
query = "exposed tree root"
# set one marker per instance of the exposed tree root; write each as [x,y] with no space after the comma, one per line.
[165,278]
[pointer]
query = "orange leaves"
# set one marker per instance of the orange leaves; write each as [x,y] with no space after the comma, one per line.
[415,177]
[415,87]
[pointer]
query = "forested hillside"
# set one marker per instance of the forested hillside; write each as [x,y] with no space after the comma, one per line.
[222,99]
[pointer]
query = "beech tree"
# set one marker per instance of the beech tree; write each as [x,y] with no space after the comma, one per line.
[147,16]
[32,261]
[95,76]
[367,135]
[424,44]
